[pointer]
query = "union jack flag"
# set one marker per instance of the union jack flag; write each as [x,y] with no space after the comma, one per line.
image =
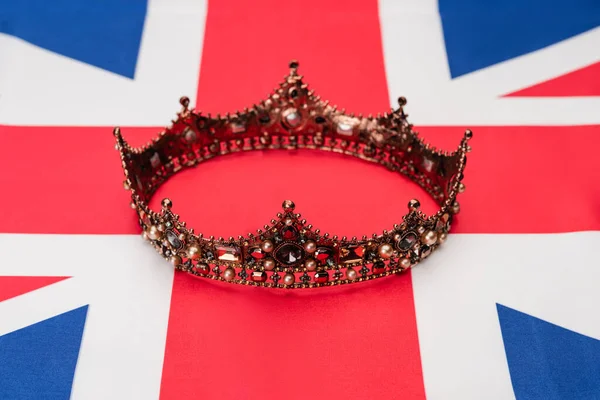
[507,309]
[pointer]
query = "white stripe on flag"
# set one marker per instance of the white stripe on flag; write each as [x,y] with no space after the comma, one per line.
[128,289]
[553,277]
[416,66]
[66,92]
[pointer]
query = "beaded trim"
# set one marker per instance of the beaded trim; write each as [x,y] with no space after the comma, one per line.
[289,252]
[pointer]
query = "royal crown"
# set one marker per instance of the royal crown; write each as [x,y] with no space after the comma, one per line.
[289,252]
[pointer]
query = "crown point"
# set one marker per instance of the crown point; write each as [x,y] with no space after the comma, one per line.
[117,131]
[414,205]
[468,134]
[402,101]
[288,205]
[167,203]
[184,101]
[294,64]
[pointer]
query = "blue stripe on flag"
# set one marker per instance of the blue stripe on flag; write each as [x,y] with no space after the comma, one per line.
[39,361]
[103,33]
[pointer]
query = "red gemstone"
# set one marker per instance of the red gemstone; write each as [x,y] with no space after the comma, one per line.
[322,277]
[289,232]
[257,252]
[228,253]
[259,276]
[378,267]
[323,253]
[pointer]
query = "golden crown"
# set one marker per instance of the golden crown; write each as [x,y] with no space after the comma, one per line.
[289,252]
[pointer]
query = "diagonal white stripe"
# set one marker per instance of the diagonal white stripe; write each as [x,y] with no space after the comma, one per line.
[128,289]
[553,277]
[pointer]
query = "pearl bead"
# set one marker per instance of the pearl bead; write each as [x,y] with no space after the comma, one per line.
[161,227]
[267,246]
[288,205]
[429,238]
[310,246]
[289,221]
[414,204]
[229,274]
[351,274]
[126,185]
[289,279]
[132,205]
[175,260]
[193,252]
[405,263]
[385,250]
[310,264]
[153,233]
[455,207]
[442,238]
[269,264]
[461,187]
[166,203]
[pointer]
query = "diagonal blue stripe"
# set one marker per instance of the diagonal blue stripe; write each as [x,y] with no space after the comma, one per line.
[548,362]
[38,361]
[479,34]
[103,33]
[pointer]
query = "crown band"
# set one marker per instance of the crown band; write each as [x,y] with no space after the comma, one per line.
[289,252]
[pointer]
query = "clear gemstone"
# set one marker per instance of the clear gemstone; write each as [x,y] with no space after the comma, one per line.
[378,267]
[323,253]
[427,164]
[238,127]
[289,232]
[293,118]
[257,252]
[155,160]
[189,135]
[289,254]
[407,241]
[174,241]
[345,129]
[322,277]
[259,276]
[228,253]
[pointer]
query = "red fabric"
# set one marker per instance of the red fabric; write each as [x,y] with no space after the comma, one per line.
[582,82]
[13,286]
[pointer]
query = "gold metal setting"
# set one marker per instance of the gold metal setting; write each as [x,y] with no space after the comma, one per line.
[289,252]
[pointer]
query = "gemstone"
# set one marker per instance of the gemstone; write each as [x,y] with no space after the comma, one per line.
[228,253]
[202,268]
[238,127]
[289,254]
[155,160]
[364,270]
[352,253]
[292,117]
[289,232]
[344,129]
[276,277]
[322,277]
[209,255]
[257,253]
[189,135]
[320,120]
[407,241]
[427,164]
[323,253]
[264,119]
[378,267]
[425,251]
[294,93]
[259,276]
[243,274]
[305,278]
[174,241]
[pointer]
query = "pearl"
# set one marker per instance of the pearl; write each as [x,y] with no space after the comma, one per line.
[397,237]
[429,238]
[193,252]
[405,263]
[161,227]
[385,250]
[351,274]
[126,185]
[310,264]
[229,274]
[442,238]
[145,235]
[461,187]
[167,203]
[132,205]
[289,279]
[175,260]
[289,221]
[269,264]
[267,246]
[154,233]
[456,207]
[414,204]
[310,246]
